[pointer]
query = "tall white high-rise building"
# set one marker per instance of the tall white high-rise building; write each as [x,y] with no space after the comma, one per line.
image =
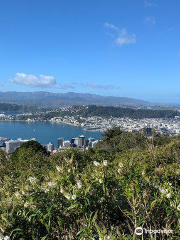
[12,145]
[50,147]
[60,142]
[66,144]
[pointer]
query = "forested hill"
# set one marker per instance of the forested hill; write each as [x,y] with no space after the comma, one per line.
[125,112]
[55,100]
[6,107]
[93,110]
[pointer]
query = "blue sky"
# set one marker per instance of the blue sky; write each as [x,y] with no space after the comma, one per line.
[108,47]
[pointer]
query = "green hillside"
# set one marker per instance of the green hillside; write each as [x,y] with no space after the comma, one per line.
[128,181]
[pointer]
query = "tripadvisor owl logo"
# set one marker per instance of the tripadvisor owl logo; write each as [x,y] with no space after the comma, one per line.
[139,231]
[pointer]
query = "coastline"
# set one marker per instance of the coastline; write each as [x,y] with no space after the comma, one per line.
[48,121]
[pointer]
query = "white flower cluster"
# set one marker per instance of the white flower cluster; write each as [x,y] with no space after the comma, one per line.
[58,168]
[32,180]
[79,184]
[17,194]
[73,197]
[174,205]
[105,163]
[47,186]
[165,192]
[62,190]
[45,189]
[96,163]
[26,205]
[67,195]
[178,207]
[120,167]
[4,238]
[106,237]
[52,184]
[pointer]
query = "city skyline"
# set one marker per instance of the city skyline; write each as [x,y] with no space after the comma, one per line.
[120,48]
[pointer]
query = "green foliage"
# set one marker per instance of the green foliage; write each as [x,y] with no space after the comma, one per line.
[104,193]
[32,146]
[7,107]
[104,111]
[119,141]
[2,156]
[161,140]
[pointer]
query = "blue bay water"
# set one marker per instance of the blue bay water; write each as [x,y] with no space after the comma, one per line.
[44,132]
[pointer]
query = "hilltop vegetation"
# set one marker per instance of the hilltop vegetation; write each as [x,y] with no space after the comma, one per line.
[126,112]
[87,111]
[105,193]
[103,111]
[7,107]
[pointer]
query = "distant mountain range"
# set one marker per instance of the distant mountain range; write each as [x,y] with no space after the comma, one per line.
[48,99]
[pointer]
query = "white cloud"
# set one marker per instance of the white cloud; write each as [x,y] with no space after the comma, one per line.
[65,86]
[33,81]
[149,4]
[98,86]
[40,82]
[125,38]
[50,82]
[111,26]
[120,36]
[150,20]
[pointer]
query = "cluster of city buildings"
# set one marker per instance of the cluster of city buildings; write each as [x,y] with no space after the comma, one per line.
[160,125]
[150,126]
[7,117]
[81,142]
[101,124]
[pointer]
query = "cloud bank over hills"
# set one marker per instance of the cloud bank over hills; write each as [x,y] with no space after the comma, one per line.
[43,81]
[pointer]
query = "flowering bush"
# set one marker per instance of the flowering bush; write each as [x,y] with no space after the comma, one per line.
[98,194]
